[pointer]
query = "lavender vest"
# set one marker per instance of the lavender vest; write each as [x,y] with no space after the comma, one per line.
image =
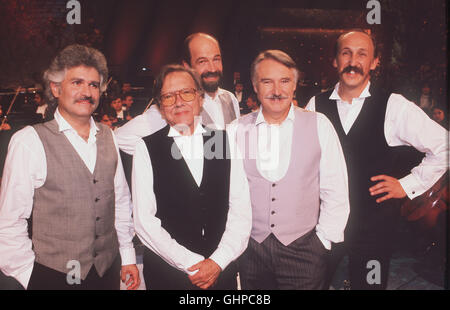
[288,208]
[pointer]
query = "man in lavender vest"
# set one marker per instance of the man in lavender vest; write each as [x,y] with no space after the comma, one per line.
[66,175]
[298,183]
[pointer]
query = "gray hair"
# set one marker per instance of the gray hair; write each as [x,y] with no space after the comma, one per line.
[276,55]
[70,57]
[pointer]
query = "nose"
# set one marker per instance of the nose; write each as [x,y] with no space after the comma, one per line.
[210,66]
[353,60]
[86,90]
[178,101]
[277,89]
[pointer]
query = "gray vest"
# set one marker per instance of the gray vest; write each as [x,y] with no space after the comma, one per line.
[74,211]
[288,208]
[229,114]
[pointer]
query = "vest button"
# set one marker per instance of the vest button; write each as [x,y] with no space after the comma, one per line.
[97,199]
[95,255]
[97,218]
[95,181]
[273,225]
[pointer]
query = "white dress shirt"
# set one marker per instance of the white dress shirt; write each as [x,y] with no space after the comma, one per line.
[272,161]
[42,109]
[151,121]
[148,226]
[26,170]
[405,124]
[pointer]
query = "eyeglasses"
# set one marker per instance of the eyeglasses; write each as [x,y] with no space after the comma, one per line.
[169,99]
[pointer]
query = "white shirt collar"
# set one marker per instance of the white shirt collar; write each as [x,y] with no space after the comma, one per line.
[64,125]
[260,118]
[199,130]
[364,94]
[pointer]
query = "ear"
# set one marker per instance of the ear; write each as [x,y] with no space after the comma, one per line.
[334,63]
[254,88]
[375,63]
[186,65]
[56,89]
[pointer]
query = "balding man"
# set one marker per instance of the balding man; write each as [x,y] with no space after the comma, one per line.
[370,122]
[220,107]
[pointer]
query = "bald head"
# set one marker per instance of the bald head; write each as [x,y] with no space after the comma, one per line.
[196,39]
[203,55]
[356,34]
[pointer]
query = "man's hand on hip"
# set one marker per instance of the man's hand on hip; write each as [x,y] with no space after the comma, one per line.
[388,185]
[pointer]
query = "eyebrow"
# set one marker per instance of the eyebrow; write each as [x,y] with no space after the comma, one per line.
[81,79]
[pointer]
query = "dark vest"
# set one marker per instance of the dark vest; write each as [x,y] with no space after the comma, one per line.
[194,216]
[367,154]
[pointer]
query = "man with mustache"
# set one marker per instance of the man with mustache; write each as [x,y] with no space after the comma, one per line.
[201,53]
[298,183]
[65,175]
[370,123]
[191,206]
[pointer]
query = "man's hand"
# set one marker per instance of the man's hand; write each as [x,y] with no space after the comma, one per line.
[207,274]
[389,185]
[134,281]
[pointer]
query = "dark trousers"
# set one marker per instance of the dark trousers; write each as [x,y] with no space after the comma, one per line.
[366,260]
[159,275]
[44,278]
[271,265]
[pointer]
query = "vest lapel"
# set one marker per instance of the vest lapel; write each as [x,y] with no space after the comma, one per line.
[227,108]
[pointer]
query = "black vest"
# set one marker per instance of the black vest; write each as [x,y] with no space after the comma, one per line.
[194,216]
[367,154]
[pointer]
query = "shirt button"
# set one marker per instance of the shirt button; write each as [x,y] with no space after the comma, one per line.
[273,185]
[273,212]
[273,199]
[413,192]
[273,225]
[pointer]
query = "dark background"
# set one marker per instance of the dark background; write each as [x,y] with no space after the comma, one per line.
[148,34]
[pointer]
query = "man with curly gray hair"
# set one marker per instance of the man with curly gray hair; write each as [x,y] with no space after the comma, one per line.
[65,174]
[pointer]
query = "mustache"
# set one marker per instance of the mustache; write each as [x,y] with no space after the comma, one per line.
[91,101]
[349,68]
[211,74]
[276,97]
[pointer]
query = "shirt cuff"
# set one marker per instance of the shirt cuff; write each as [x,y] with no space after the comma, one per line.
[128,256]
[197,258]
[24,277]
[326,243]
[411,186]
[223,262]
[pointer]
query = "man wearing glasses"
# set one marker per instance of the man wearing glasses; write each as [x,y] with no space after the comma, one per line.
[192,206]
[220,107]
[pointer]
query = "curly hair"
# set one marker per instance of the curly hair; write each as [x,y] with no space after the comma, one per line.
[74,56]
